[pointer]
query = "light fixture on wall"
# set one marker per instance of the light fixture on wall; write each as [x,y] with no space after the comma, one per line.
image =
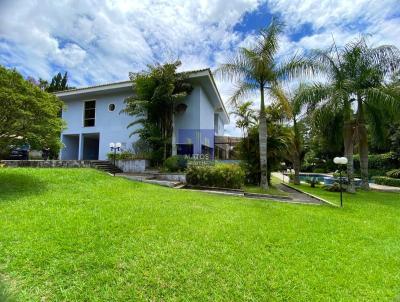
[180,108]
[114,148]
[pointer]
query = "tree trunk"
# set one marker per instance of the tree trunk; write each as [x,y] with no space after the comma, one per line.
[348,138]
[296,152]
[262,136]
[362,143]
[173,137]
[296,167]
[363,146]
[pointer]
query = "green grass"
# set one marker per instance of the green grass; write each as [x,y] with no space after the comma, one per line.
[81,235]
[272,190]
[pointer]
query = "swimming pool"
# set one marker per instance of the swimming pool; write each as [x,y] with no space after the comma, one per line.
[317,176]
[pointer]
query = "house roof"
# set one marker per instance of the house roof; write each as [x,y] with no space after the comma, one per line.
[206,72]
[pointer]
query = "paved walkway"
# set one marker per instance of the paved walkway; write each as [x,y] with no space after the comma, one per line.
[294,196]
[299,196]
[384,188]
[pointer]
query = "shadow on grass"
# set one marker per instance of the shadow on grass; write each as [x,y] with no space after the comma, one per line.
[5,295]
[15,185]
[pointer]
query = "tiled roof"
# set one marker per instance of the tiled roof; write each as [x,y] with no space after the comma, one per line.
[122,82]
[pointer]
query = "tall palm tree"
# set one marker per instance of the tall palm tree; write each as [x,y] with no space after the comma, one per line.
[256,69]
[366,69]
[355,79]
[292,104]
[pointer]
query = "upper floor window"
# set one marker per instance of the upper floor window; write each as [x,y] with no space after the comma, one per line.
[90,114]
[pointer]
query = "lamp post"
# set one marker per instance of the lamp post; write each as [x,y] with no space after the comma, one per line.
[340,161]
[114,148]
[283,164]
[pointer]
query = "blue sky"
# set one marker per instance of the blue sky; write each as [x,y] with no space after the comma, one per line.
[102,41]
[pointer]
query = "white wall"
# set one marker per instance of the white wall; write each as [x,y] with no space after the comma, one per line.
[112,126]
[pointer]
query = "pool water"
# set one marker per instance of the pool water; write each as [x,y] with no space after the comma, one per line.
[318,177]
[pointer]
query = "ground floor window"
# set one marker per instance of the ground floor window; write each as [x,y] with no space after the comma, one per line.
[185,149]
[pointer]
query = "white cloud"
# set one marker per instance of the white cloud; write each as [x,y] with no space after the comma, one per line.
[101,41]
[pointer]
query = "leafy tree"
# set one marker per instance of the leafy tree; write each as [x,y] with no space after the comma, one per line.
[257,69]
[157,91]
[43,84]
[279,141]
[58,83]
[246,116]
[27,114]
[355,80]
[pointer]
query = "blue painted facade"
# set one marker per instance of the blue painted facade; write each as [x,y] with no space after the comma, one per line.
[195,128]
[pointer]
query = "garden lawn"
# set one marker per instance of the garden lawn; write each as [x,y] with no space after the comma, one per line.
[82,235]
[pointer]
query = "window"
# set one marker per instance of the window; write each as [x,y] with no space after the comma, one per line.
[111,107]
[90,114]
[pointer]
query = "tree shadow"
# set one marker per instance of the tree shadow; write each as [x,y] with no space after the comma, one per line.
[5,295]
[14,185]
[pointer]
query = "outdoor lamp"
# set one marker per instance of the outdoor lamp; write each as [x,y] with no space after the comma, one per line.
[115,147]
[340,161]
[283,164]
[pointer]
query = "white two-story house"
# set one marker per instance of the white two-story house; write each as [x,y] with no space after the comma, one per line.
[94,119]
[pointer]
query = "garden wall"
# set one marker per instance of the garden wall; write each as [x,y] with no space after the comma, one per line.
[47,163]
[132,165]
[181,177]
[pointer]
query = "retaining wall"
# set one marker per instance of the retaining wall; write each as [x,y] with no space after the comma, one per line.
[47,163]
[133,166]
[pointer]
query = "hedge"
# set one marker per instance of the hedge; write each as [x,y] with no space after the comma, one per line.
[220,176]
[175,163]
[393,173]
[387,181]
[384,161]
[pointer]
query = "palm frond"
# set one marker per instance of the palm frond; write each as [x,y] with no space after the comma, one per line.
[243,90]
[279,96]
[268,44]
[383,97]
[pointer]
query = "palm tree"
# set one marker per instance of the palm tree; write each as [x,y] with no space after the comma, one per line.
[157,92]
[292,104]
[366,69]
[257,69]
[355,78]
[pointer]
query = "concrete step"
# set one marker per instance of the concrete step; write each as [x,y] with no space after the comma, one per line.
[106,166]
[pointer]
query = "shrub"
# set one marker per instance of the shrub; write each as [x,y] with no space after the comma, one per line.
[319,170]
[387,181]
[312,181]
[393,173]
[335,187]
[220,175]
[175,163]
[384,161]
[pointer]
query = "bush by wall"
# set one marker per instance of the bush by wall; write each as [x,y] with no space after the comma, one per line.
[220,175]
[393,173]
[175,163]
[387,181]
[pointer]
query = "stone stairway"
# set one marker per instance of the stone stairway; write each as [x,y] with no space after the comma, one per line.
[153,176]
[105,166]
